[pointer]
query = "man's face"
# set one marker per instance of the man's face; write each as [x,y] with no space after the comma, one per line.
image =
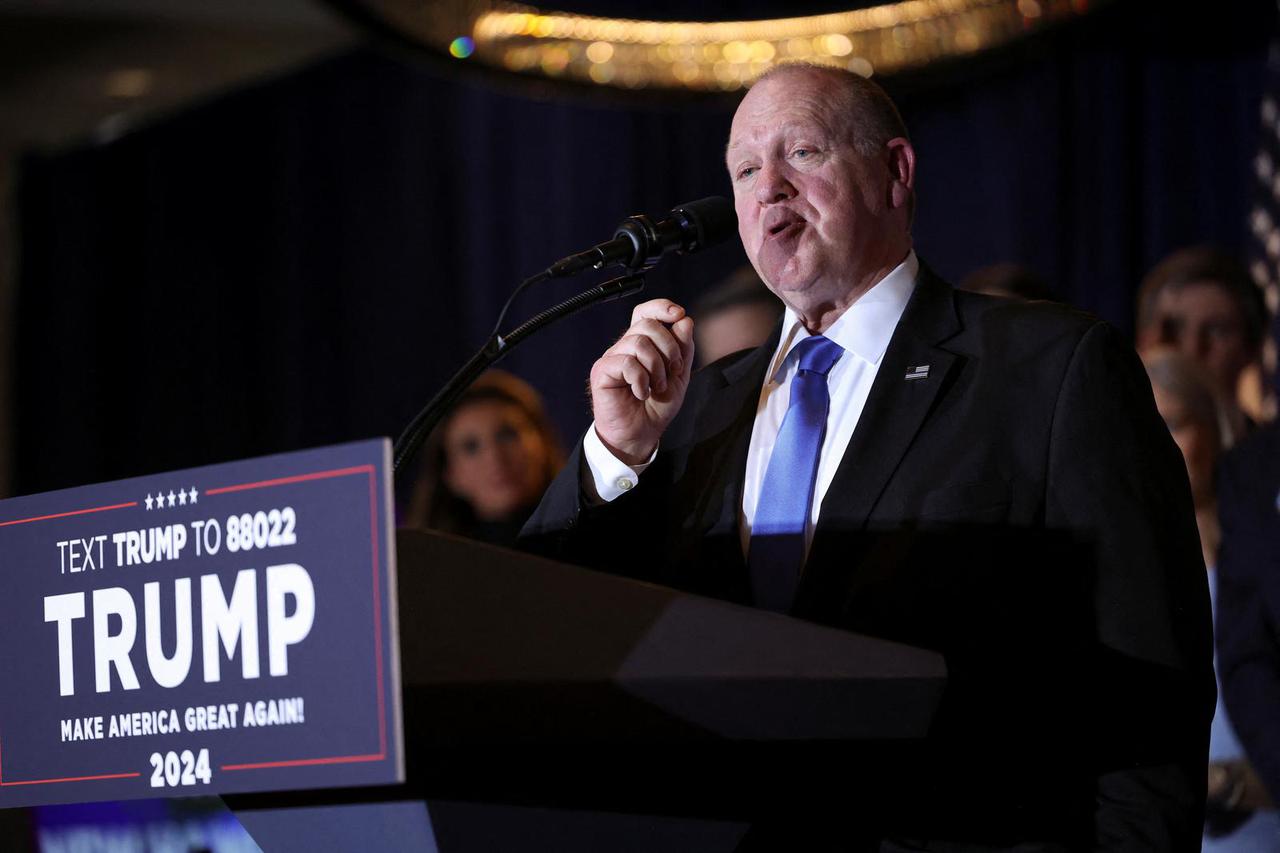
[731,329]
[813,213]
[1202,321]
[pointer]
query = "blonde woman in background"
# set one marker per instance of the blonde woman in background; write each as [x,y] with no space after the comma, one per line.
[485,467]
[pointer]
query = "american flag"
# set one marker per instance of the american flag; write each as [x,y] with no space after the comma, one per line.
[1263,251]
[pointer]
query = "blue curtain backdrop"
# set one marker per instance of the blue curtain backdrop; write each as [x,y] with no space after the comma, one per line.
[307,261]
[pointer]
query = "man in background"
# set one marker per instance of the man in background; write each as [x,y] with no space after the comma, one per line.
[737,314]
[1202,302]
[1008,279]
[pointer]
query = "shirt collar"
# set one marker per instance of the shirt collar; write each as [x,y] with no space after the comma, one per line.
[866,326]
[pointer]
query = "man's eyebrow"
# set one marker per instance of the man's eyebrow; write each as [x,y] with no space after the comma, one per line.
[732,146]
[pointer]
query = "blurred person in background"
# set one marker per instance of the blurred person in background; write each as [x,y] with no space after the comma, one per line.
[1007,279]
[1239,815]
[1202,302]
[485,467]
[737,314]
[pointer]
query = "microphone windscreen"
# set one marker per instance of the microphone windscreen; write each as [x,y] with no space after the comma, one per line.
[713,220]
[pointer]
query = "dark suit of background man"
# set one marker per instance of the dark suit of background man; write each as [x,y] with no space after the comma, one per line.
[957,423]
[1249,598]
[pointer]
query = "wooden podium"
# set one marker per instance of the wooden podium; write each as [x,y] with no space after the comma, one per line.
[542,690]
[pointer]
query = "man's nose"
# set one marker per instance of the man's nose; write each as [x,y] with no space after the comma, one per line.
[1191,344]
[772,185]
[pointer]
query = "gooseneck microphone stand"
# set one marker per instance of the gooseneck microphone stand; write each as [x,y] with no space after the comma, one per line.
[497,347]
[638,243]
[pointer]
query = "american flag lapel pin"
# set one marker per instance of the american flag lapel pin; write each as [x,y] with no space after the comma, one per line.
[918,372]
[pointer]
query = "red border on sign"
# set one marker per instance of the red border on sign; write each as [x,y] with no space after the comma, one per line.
[381,755]
[65,514]
[74,779]
[283,481]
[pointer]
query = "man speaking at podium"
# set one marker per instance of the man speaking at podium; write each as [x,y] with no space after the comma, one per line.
[881,463]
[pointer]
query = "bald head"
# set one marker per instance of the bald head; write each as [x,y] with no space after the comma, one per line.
[823,178]
[868,114]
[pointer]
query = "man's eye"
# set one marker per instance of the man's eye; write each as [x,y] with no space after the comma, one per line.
[801,153]
[746,171]
[1220,331]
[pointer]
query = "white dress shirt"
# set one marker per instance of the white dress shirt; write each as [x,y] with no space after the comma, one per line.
[863,331]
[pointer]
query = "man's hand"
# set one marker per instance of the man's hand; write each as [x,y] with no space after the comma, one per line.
[637,386]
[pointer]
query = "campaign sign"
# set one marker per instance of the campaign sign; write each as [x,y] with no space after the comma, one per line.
[222,629]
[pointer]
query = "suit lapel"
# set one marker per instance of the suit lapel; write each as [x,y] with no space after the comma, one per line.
[722,436]
[894,412]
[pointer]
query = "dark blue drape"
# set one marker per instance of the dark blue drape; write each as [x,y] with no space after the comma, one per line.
[306,261]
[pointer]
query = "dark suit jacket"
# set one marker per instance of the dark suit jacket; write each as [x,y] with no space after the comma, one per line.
[1081,680]
[1249,598]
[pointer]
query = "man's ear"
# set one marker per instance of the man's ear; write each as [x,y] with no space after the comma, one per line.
[902,171]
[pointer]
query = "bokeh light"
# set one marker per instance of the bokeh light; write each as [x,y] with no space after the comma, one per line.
[462,47]
[729,55]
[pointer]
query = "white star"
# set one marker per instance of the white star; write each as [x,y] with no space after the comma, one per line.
[171,498]
[193,494]
[1260,221]
[148,501]
[182,498]
[1259,271]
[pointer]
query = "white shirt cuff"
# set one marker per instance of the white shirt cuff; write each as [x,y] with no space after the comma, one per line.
[610,476]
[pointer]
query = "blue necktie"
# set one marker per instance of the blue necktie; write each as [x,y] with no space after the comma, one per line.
[776,551]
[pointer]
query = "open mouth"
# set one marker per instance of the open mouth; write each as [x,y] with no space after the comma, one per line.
[783,223]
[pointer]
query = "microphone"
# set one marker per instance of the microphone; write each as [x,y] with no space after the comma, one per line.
[639,242]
